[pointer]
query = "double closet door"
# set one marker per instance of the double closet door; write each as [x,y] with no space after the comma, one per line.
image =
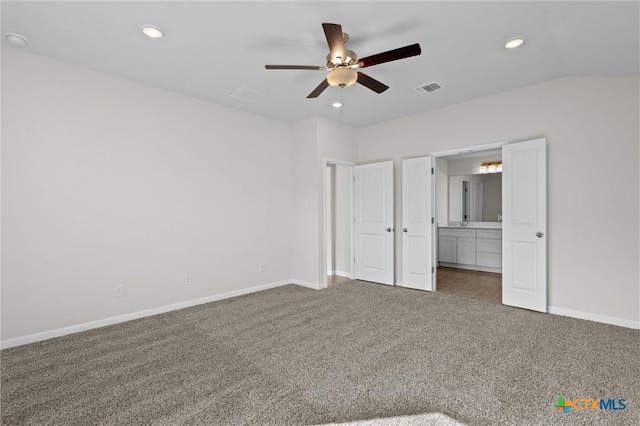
[375,226]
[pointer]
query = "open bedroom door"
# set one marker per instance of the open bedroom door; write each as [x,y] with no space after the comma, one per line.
[524,225]
[374,228]
[417,224]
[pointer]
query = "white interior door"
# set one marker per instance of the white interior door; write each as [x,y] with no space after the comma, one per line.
[524,225]
[373,234]
[417,239]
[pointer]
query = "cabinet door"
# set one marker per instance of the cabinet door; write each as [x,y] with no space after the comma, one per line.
[466,251]
[447,249]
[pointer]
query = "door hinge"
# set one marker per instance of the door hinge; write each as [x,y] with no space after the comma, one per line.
[432,170]
[433,220]
[354,260]
[433,269]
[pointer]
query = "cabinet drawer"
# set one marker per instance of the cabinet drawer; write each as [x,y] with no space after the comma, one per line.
[492,234]
[492,260]
[458,233]
[489,246]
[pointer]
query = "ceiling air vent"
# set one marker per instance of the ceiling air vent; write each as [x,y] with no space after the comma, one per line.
[428,87]
[246,95]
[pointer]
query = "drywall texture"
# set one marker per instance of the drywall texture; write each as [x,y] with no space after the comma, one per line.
[591,125]
[108,182]
[306,179]
[314,140]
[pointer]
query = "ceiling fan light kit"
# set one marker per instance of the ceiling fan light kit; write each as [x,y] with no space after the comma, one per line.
[342,63]
[342,77]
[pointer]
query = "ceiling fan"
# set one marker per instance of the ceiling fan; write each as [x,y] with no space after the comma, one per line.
[342,63]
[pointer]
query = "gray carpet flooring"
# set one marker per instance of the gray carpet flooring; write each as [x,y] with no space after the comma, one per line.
[355,352]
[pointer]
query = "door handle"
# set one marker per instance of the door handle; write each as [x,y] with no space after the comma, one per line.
[539,234]
[388,229]
[404,229]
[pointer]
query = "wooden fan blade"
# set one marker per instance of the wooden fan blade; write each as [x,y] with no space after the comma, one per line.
[295,67]
[335,39]
[391,55]
[318,90]
[371,83]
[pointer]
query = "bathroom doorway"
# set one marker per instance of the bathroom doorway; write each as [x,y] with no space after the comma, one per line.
[468,225]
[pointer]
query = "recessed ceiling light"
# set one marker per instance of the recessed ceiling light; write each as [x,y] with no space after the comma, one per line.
[152,32]
[336,104]
[15,39]
[513,43]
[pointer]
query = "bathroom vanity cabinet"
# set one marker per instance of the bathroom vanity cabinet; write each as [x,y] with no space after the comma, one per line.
[472,248]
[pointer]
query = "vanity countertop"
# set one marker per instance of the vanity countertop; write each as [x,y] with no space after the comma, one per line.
[472,225]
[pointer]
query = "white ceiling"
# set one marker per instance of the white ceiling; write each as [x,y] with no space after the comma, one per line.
[213,48]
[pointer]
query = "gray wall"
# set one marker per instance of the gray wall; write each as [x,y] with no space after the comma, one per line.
[588,122]
[107,181]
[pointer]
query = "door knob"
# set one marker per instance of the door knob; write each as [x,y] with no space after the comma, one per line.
[539,234]
[388,229]
[404,229]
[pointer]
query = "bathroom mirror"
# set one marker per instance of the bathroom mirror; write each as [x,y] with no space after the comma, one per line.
[475,198]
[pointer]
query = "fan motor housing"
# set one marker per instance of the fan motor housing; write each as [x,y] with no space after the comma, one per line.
[350,59]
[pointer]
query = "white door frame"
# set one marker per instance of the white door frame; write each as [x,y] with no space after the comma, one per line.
[434,156]
[325,162]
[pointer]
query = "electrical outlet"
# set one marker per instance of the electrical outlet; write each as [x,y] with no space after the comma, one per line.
[261,267]
[119,290]
[184,279]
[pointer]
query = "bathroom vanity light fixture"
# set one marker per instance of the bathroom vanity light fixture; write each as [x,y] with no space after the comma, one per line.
[491,167]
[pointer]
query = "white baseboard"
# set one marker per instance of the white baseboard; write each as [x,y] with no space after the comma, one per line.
[594,317]
[342,274]
[46,335]
[308,284]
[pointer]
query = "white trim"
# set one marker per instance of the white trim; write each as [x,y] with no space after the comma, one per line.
[308,284]
[468,149]
[594,317]
[338,162]
[46,335]
[342,274]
